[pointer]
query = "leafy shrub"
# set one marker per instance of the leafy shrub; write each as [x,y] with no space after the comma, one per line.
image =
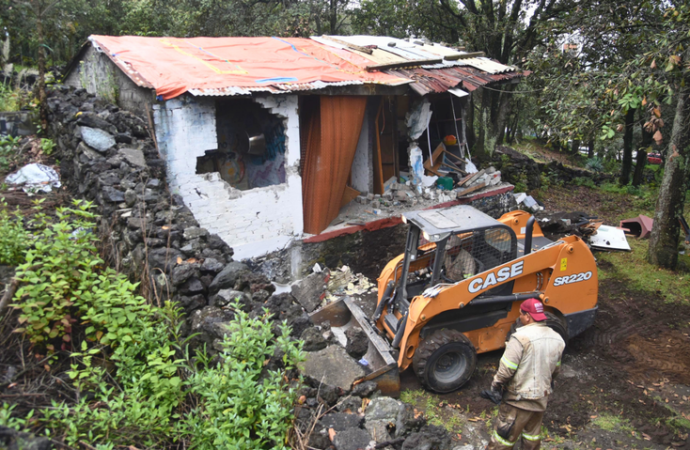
[14,239]
[8,150]
[58,270]
[595,165]
[584,181]
[47,146]
[240,404]
[134,380]
[9,421]
[13,99]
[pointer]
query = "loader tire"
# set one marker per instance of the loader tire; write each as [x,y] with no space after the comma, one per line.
[445,361]
[552,321]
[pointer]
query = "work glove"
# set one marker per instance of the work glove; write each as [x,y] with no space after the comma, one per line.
[494,395]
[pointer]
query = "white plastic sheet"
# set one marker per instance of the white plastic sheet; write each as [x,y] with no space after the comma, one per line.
[35,178]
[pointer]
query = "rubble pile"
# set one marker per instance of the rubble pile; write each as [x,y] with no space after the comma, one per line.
[402,195]
[107,156]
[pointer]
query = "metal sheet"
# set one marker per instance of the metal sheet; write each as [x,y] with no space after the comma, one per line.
[458,92]
[609,238]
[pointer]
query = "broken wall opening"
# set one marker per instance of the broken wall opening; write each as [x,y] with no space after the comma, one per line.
[251,146]
[446,120]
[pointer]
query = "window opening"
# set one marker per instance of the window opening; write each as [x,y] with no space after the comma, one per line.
[251,146]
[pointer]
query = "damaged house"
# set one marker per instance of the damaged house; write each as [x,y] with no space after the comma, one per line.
[270,140]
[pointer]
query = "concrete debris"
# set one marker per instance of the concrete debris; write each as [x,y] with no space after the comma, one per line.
[311,291]
[344,283]
[332,366]
[408,193]
[353,439]
[528,202]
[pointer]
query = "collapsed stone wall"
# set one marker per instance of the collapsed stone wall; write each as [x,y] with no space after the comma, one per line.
[517,168]
[107,156]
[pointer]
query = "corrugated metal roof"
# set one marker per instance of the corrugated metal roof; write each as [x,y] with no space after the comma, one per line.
[366,53]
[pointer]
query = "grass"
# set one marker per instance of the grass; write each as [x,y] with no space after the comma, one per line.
[674,286]
[435,412]
[609,422]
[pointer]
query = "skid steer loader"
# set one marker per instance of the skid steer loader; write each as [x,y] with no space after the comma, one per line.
[456,292]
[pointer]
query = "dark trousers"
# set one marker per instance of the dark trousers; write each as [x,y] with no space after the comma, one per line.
[513,424]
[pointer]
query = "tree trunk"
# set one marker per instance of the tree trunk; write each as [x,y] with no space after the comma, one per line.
[641,160]
[484,120]
[514,124]
[663,242]
[627,147]
[590,146]
[575,147]
[468,118]
[333,16]
[504,110]
[41,82]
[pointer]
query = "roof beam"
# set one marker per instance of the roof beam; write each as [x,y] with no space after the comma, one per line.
[403,64]
[368,51]
[463,56]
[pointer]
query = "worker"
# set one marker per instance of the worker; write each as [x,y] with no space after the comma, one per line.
[524,380]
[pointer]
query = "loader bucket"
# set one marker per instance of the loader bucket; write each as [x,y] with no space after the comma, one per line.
[381,366]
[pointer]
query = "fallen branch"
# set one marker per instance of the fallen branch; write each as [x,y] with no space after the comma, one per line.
[10,289]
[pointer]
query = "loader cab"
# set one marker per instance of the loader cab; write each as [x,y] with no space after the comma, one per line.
[450,245]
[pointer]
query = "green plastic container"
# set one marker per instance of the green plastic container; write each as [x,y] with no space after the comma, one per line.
[445,183]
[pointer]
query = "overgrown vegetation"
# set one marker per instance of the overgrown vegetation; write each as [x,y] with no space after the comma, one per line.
[133,377]
[14,99]
[14,239]
[8,151]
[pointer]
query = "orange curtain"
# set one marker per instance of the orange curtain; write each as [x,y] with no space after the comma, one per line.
[331,141]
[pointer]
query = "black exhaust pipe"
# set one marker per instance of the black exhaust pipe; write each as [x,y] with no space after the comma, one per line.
[528,235]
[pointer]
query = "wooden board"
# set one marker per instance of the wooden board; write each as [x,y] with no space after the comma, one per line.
[472,189]
[349,194]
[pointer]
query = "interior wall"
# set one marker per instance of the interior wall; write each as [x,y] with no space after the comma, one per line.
[363,164]
[253,222]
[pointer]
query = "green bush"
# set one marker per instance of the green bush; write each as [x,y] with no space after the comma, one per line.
[14,239]
[133,378]
[240,404]
[584,181]
[595,165]
[8,150]
[59,269]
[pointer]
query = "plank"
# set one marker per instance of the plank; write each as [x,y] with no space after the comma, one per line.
[471,189]
[408,63]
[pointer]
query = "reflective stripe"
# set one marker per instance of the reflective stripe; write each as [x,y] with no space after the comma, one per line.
[503,441]
[531,437]
[509,364]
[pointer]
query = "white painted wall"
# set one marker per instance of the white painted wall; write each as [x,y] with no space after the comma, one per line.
[252,222]
[363,164]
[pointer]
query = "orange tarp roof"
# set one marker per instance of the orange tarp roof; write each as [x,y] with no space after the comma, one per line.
[173,66]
